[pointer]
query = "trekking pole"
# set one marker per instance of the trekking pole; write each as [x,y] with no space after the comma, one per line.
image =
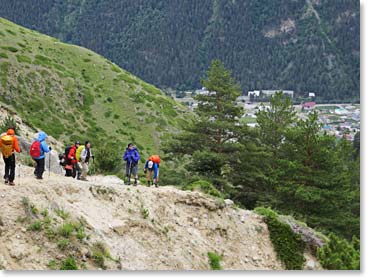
[49,164]
[130,172]
[18,168]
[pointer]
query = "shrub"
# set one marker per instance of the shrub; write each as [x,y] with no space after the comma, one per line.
[205,187]
[3,55]
[287,244]
[69,264]
[214,261]
[339,254]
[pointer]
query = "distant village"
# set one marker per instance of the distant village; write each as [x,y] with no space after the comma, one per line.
[341,120]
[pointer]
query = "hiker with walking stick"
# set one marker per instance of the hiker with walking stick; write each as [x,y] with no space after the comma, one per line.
[37,151]
[132,157]
[9,144]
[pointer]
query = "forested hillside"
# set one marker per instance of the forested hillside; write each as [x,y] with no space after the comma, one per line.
[302,45]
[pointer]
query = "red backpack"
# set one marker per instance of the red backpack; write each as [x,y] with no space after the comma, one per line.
[35,150]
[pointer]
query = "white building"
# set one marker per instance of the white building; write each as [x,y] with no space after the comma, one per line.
[254,93]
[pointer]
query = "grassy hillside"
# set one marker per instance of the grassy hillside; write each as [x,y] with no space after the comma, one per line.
[73,93]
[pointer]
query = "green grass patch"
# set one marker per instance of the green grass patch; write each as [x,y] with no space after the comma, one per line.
[35,226]
[62,244]
[10,48]
[66,229]
[214,261]
[3,55]
[63,214]
[11,32]
[69,264]
[23,59]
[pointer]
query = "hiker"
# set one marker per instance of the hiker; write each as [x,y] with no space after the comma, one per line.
[85,156]
[132,157]
[73,160]
[152,165]
[9,143]
[38,149]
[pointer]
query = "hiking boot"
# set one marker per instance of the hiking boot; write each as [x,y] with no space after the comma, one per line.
[39,178]
[128,184]
[156,185]
[11,184]
[6,180]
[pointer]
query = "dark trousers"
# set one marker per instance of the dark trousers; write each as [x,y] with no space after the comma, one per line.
[9,168]
[40,167]
[76,171]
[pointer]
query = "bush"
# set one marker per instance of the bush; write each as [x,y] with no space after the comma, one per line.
[205,187]
[69,264]
[287,244]
[339,254]
[214,261]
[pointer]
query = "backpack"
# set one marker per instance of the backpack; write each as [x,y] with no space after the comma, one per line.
[35,150]
[79,152]
[66,153]
[155,159]
[7,145]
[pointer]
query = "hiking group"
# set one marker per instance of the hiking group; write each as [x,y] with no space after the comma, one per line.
[75,160]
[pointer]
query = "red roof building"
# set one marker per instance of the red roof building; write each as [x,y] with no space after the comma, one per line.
[308,105]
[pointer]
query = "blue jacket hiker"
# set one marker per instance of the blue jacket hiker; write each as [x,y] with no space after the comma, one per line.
[132,157]
[40,161]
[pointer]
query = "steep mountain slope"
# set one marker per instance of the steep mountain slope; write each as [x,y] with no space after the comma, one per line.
[73,93]
[131,227]
[304,45]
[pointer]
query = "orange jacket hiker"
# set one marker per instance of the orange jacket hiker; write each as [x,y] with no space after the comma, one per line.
[9,144]
[8,151]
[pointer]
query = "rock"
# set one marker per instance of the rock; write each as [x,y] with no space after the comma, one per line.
[255,258]
[195,220]
[2,195]
[228,202]
[205,216]
[310,265]
[17,236]
[243,219]
[16,253]
[246,260]
[23,230]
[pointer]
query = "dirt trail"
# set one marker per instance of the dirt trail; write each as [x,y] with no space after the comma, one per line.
[143,228]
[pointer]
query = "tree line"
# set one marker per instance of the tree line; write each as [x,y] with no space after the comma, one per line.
[285,163]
